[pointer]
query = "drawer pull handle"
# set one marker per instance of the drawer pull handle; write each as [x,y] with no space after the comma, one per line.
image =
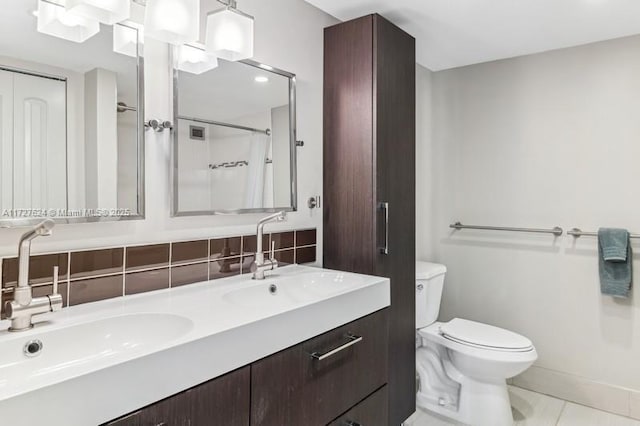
[350,423]
[352,341]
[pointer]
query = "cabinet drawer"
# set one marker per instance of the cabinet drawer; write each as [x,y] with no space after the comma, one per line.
[223,401]
[373,411]
[313,382]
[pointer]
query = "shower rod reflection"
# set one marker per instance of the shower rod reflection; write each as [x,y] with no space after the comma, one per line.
[220,123]
[123,107]
[232,164]
[557,231]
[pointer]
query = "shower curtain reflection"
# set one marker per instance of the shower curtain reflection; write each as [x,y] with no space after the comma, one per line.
[257,170]
[225,169]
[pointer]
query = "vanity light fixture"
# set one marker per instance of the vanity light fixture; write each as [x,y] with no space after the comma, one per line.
[230,33]
[172,21]
[193,58]
[54,20]
[105,11]
[125,40]
[261,79]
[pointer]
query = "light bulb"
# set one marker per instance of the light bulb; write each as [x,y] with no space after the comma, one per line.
[230,34]
[125,40]
[54,20]
[107,11]
[173,21]
[195,59]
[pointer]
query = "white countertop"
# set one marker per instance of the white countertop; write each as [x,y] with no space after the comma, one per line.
[169,341]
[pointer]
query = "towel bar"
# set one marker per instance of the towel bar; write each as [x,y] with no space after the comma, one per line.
[577,233]
[557,231]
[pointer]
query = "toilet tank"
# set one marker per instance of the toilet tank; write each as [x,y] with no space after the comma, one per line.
[429,284]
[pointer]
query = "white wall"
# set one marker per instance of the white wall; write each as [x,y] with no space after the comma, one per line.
[281,155]
[101,138]
[127,155]
[538,141]
[424,171]
[289,35]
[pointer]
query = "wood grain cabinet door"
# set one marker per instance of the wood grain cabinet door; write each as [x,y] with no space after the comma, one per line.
[369,176]
[220,402]
[373,411]
[314,382]
[395,120]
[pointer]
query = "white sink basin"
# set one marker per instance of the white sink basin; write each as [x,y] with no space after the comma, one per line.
[123,351]
[66,348]
[285,291]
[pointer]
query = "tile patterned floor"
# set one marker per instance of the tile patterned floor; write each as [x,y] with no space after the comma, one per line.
[534,409]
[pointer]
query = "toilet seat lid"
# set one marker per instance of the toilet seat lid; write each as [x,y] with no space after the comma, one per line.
[483,335]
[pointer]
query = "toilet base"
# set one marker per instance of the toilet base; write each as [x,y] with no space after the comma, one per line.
[480,403]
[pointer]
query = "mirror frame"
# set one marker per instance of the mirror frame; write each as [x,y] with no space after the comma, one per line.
[175,212]
[140,137]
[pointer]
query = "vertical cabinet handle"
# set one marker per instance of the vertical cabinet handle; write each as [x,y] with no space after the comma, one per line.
[385,249]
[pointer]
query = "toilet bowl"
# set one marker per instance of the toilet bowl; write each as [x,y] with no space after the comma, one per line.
[463,365]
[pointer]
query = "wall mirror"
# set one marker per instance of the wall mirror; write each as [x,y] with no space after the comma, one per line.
[234,146]
[71,117]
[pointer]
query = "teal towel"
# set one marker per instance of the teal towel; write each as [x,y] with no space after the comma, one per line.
[615,259]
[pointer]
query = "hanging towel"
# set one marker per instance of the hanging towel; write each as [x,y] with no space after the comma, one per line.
[615,259]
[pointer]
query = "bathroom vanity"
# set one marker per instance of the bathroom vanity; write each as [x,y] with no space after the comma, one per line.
[304,346]
[310,383]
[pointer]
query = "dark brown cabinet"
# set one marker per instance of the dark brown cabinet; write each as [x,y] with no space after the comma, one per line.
[373,411]
[311,383]
[223,401]
[369,176]
[315,381]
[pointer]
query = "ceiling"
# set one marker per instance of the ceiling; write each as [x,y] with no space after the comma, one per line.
[454,33]
[230,92]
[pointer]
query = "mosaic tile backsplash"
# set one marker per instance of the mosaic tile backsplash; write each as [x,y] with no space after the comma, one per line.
[93,275]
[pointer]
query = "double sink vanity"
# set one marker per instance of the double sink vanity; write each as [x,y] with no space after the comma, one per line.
[177,333]
[293,346]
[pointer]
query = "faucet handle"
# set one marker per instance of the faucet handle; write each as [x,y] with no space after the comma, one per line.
[56,270]
[55,299]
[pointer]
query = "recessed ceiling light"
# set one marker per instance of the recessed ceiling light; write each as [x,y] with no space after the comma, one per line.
[261,79]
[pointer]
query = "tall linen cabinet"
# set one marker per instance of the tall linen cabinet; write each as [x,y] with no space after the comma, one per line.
[369,176]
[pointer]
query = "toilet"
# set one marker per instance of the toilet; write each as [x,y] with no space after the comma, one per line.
[463,365]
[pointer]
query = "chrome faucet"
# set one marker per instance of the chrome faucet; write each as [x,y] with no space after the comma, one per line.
[260,265]
[24,306]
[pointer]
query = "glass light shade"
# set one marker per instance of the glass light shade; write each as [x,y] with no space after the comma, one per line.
[54,20]
[173,21]
[125,40]
[106,11]
[230,34]
[195,60]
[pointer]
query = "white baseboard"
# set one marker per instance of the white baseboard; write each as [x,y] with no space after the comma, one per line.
[614,399]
